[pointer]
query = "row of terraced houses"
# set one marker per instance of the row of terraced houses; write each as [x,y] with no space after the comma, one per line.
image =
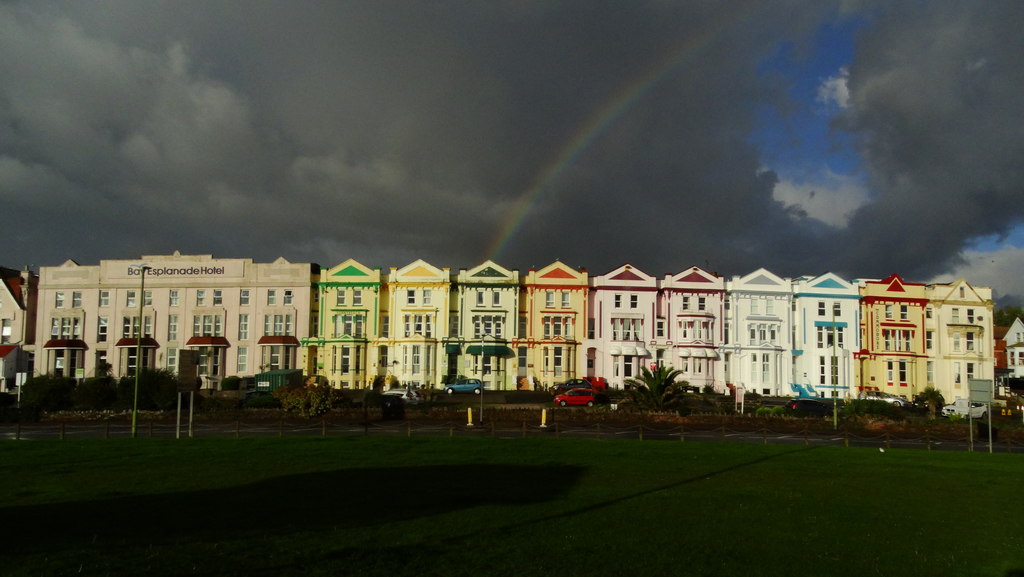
[424,324]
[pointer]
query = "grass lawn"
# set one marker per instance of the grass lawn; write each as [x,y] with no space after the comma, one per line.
[502,507]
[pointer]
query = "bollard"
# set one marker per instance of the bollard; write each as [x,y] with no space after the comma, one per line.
[469,417]
[543,418]
[408,429]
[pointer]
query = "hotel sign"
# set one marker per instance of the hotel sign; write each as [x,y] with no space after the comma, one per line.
[223,269]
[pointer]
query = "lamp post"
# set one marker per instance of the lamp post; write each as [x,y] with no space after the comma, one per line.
[834,368]
[138,346]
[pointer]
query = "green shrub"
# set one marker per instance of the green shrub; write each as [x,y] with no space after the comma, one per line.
[158,390]
[873,408]
[262,401]
[230,383]
[8,400]
[48,393]
[95,394]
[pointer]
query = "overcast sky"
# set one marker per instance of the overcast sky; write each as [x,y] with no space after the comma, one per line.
[804,137]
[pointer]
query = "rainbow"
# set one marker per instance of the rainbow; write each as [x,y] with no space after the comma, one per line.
[596,124]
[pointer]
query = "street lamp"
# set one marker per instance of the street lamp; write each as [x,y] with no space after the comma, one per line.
[138,345]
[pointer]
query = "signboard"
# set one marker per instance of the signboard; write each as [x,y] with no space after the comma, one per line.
[981,390]
[188,371]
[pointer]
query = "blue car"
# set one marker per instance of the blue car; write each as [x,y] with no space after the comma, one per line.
[474,386]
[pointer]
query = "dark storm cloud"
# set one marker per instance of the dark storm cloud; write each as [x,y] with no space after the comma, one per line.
[936,107]
[389,131]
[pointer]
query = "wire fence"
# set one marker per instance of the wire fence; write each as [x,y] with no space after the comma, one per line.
[960,439]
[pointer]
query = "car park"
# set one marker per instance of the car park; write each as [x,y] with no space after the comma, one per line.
[409,396]
[475,386]
[577,398]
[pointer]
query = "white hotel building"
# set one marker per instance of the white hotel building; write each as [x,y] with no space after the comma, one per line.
[240,317]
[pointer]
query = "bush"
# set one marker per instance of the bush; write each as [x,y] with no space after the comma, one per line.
[309,400]
[95,394]
[158,390]
[262,401]
[873,408]
[48,393]
[8,400]
[230,383]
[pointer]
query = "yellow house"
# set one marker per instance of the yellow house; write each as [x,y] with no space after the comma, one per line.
[553,319]
[958,337]
[893,356]
[414,322]
[484,315]
[341,348]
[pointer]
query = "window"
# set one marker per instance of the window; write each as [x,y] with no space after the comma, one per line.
[172,359]
[769,307]
[129,299]
[956,342]
[970,370]
[618,301]
[172,327]
[686,303]
[821,308]
[101,329]
[287,297]
[201,298]
[495,298]
[104,298]
[218,297]
[549,299]
[660,328]
[904,312]
[385,326]
[172,297]
[207,326]
[956,315]
[243,359]
[410,297]
[271,297]
[243,297]
[634,300]
[76,299]
[970,314]
[566,299]
[243,327]
[931,371]
[903,372]
[970,341]
[427,296]
[147,298]
[702,303]
[357,297]
[754,307]
[340,297]
[888,313]
[58,299]
[277,325]
[928,339]
[837,309]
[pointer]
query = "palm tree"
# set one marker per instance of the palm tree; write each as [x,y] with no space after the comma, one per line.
[656,388]
[931,397]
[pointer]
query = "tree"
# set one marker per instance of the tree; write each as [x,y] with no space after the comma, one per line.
[932,398]
[158,390]
[1005,316]
[656,389]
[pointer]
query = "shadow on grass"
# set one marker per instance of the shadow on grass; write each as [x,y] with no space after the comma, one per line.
[275,507]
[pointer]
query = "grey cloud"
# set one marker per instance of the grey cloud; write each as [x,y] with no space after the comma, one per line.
[389,131]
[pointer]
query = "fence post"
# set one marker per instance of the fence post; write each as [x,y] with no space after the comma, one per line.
[237,427]
[887,445]
[558,433]
[524,428]
[151,428]
[62,431]
[17,432]
[280,427]
[323,426]
[641,431]
[764,436]
[846,438]
[682,433]
[928,439]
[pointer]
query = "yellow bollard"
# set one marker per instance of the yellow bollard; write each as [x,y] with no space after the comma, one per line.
[469,417]
[543,418]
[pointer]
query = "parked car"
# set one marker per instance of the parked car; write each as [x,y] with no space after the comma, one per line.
[570,385]
[882,396]
[409,396]
[577,398]
[474,386]
[959,407]
[810,407]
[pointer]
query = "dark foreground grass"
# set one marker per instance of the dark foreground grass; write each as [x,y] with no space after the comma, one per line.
[494,507]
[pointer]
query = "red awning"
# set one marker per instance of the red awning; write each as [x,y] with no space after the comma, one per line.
[207,342]
[7,349]
[281,340]
[147,342]
[65,344]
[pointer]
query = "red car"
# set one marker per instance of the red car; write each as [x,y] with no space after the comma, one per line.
[577,397]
